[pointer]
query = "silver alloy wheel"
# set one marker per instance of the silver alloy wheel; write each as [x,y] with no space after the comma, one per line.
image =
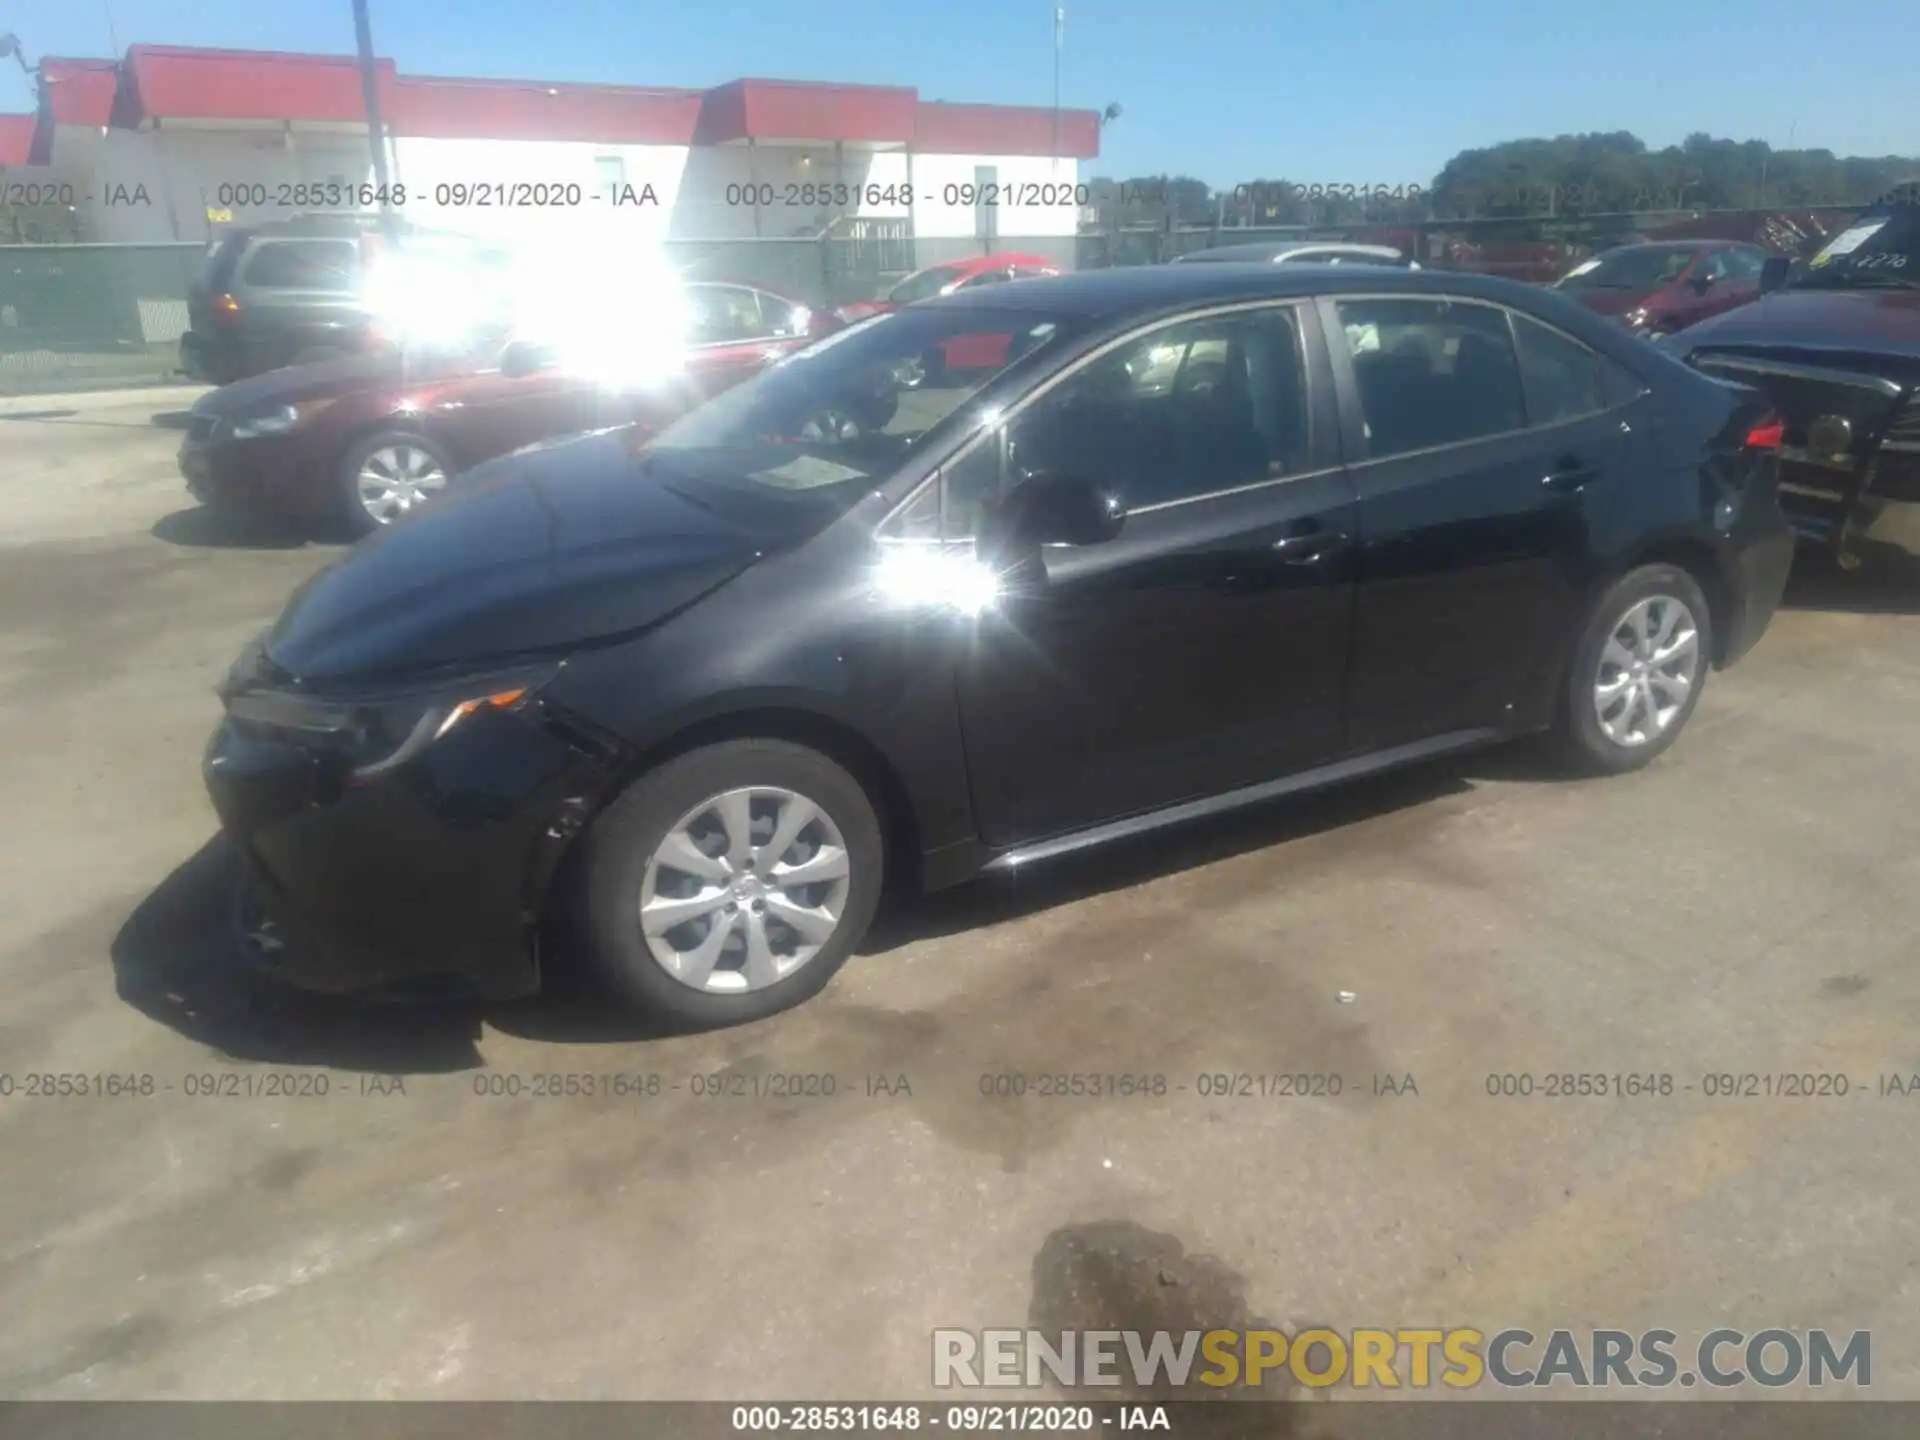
[1647,669]
[745,889]
[396,478]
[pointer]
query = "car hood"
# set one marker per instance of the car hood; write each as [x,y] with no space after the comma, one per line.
[329,379]
[552,547]
[1873,321]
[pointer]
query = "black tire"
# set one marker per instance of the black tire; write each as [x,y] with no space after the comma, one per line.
[346,478]
[1578,735]
[622,843]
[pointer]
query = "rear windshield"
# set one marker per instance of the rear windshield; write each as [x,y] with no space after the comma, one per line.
[218,265]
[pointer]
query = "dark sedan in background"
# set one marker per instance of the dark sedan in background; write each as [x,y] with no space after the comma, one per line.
[1655,288]
[369,438]
[1213,534]
[1835,344]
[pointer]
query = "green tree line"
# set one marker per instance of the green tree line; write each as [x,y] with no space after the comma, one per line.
[1594,174]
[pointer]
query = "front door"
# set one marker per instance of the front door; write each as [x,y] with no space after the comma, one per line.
[1203,649]
[1478,495]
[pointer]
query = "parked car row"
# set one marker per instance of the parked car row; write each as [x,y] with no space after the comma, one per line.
[367,438]
[1200,536]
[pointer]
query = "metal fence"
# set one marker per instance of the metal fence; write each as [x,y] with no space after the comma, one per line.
[85,316]
[78,316]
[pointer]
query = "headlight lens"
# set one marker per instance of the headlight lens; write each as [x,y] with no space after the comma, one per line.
[377,734]
[276,421]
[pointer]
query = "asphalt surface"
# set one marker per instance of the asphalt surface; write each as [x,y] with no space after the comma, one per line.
[1749,905]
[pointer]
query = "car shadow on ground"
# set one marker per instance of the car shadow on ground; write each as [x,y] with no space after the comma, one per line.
[171,419]
[177,961]
[202,527]
[1887,583]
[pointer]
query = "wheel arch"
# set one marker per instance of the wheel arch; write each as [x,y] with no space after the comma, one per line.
[1700,560]
[838,740]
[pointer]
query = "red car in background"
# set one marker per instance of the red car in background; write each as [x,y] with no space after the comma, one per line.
[1655,288]
[972,352]
[369,438]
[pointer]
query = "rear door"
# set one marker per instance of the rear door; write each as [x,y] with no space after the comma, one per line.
[1486,447]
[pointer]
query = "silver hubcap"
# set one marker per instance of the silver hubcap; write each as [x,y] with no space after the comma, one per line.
[396,479]
[1647,669]
[745,889]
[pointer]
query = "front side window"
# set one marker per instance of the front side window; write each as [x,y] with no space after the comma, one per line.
[1562,377]
[1184,411]
[1431,372]
[722,315]
[302,265]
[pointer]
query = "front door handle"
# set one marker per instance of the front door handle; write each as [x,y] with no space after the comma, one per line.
[1569,477]
[1313,547]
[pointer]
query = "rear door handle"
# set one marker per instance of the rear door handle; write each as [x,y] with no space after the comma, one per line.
[1569,477]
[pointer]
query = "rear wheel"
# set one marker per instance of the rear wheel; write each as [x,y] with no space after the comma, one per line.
[387,476]
[1637,672]
[732,882]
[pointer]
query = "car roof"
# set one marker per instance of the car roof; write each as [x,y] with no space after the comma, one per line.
[1096,294]
[1271,250]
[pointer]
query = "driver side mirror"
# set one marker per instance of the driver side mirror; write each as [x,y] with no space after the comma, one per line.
[1773,273]
[524,357]
[1702,282]
[1050,509]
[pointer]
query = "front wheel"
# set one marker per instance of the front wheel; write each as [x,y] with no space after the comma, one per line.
[732,882]
[1637,671]
[387,476]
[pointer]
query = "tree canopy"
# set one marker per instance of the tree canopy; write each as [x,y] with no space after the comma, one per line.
[1592,174]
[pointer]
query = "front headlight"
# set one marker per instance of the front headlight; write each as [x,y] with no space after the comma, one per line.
[277,421]
[374,734]
[1637,317]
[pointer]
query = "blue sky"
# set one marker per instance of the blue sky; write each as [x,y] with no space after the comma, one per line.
[1370,92]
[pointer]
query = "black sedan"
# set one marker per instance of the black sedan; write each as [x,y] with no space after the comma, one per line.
[1209,535]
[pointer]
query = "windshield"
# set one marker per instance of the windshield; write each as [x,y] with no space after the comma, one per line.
[1634,268]
[925,285]
[849,409]
[1881,247]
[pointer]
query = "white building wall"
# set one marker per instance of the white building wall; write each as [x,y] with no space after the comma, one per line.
[247,174]
[940,213]
[799,189]
[614,205]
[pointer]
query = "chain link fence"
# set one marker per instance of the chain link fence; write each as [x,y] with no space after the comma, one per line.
[83,316]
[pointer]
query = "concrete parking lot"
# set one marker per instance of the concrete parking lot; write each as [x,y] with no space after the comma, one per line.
[1750,904]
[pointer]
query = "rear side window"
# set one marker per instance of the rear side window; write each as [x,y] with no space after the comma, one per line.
[302,265]
[1431,372]
[1562,377]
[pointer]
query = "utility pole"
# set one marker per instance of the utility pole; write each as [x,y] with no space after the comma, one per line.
[1059,40]
[370,90]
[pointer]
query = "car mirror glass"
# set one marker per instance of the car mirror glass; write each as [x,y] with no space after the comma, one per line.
[1050,508]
